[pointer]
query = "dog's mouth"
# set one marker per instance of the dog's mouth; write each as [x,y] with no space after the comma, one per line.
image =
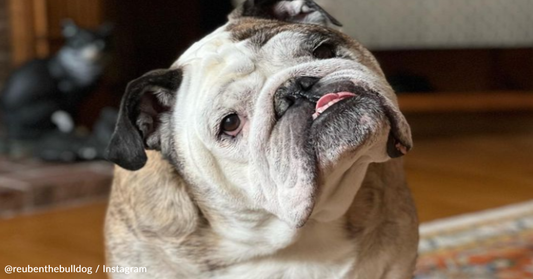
[307,90]
[328,100]
[327,103]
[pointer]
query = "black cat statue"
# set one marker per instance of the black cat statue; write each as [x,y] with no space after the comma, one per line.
[42,97]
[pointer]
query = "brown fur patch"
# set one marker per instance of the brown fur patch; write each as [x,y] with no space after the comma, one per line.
[261,31]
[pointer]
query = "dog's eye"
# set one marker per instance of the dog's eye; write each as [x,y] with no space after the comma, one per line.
[231,124]
[324,51]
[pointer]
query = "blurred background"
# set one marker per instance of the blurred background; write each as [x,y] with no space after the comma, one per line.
[463,71]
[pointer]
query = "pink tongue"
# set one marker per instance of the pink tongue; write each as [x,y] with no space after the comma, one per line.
[332,97]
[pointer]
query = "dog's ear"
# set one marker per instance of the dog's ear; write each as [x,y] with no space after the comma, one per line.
[304,11]
[145,108]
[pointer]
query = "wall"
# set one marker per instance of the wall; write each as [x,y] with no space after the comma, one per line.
[4,42]
[411,24]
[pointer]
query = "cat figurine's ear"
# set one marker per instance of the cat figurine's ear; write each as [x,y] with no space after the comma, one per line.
[70,29]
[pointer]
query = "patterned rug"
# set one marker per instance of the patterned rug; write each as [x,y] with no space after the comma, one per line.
[494,244]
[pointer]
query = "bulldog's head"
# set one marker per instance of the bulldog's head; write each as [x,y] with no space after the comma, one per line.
[274,111]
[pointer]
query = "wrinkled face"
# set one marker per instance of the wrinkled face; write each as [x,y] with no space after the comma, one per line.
[274,115]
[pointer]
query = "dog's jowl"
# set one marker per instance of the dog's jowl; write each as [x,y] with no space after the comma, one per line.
[270,149]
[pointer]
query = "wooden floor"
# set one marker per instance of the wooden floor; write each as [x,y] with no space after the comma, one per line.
[448,176]
[62,237]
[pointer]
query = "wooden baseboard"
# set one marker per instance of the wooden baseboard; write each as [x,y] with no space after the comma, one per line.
[466,102]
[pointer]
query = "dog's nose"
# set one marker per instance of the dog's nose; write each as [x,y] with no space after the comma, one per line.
[287,95]
[306,83]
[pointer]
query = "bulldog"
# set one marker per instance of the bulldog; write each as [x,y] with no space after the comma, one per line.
[269,149]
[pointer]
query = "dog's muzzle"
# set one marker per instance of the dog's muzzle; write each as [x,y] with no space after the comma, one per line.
[329,97]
